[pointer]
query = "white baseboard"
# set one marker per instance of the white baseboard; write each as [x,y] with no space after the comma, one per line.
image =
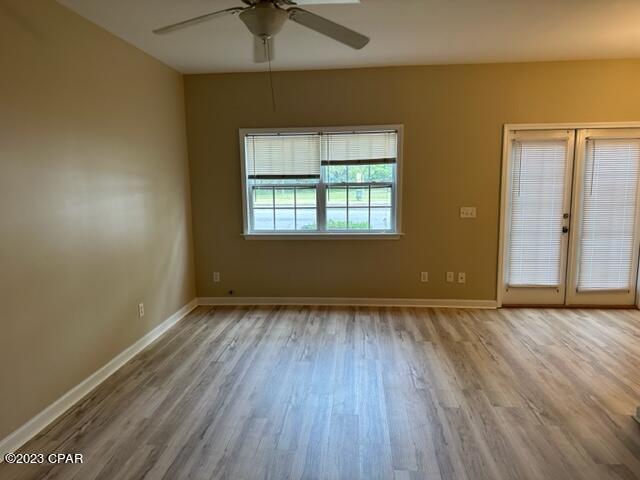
[30,429]
[338,301]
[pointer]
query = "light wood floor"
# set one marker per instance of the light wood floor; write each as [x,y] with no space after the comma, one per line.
[365,393]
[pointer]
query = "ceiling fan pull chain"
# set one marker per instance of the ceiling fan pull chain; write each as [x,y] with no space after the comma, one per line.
[265,41]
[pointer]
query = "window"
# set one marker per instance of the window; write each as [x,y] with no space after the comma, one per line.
[337,181]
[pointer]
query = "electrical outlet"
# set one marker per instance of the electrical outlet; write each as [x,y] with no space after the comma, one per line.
[462,277]
[467,212]
[216,277]
[450,277]
[141,310]
[424,276]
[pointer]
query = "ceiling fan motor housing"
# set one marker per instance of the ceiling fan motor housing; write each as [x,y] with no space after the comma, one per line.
[264,19]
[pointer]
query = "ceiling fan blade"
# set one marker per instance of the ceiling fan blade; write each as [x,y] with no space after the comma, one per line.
[260,52]
[195,20]
[327,27]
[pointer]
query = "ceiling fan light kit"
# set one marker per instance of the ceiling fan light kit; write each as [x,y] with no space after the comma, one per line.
[265,18]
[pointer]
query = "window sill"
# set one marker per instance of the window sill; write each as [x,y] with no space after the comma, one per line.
[323,236]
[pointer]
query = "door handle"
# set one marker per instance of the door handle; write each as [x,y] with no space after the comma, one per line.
[565,229]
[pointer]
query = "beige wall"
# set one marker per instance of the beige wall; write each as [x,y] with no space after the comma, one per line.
[453,117]
[94,202]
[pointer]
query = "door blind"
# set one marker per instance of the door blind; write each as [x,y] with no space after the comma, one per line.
[609,214]
[537,202]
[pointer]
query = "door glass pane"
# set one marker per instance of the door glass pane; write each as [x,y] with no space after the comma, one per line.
[537,196]
[608,220]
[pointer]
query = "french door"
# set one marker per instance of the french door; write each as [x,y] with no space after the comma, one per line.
[571,217]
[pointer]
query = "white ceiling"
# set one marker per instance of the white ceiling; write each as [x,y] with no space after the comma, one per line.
[403,32]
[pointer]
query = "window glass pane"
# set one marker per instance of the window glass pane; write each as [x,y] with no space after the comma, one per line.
[336,173]
[263,197]
[381,196]
[359,197]
[262,219]
[285,219]
[358,173]
[380,218]
[382,173]
[306,219]
[358,219]
[336,218]
[306,197]
[337,196]
[284,197]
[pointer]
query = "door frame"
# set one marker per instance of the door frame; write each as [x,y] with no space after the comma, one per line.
[504,181]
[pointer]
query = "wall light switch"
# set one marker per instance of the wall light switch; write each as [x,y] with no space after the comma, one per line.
[450,277]
[467,212]
[462,277]
[216,277]
[424,276]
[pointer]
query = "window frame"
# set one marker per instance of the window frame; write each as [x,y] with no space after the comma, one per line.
[321,186]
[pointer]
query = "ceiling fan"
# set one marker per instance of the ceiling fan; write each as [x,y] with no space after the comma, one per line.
[265,18]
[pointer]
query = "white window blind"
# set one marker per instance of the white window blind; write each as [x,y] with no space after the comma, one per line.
[360,148]
[537,195]
[609,214]
[283,156]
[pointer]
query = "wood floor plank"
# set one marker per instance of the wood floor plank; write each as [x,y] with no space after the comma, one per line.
[318,392]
